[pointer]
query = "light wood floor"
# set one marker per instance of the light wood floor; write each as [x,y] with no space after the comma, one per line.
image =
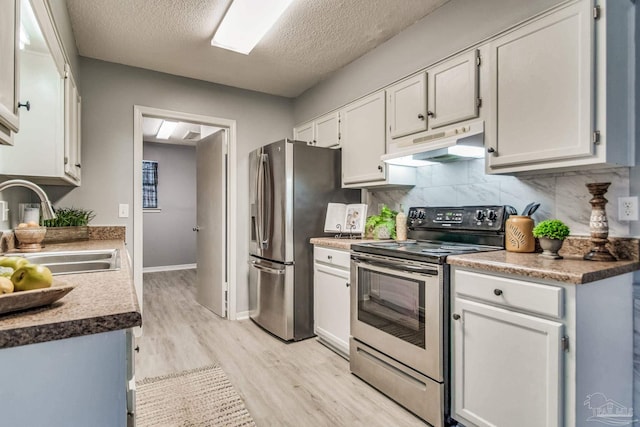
[298,384]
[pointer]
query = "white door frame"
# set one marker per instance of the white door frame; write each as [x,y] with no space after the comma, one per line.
[139,112]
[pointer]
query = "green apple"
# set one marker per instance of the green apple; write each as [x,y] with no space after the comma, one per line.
[31,276]
[14,262]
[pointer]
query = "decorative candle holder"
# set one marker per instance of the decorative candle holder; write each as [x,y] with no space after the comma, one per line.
[598,224]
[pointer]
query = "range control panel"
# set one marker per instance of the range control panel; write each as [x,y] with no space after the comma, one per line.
[484,218]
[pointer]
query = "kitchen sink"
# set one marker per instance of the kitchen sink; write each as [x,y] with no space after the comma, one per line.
[69,262]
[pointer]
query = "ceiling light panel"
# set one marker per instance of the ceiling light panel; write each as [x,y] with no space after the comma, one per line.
[246,22]
[166,129]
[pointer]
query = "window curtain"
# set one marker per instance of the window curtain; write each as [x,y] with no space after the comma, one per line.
[149,184]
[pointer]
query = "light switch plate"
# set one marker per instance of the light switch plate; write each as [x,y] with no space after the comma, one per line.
[123,210]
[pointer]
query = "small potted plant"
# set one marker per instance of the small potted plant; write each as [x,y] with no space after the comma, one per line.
[70,224]
[551,234]
[382,226]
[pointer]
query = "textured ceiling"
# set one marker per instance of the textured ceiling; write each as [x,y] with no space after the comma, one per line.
[310,41]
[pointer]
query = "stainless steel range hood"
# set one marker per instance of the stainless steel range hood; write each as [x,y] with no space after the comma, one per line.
[459,143]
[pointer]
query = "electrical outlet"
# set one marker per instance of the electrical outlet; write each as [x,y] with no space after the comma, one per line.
[628,208]
[123,210]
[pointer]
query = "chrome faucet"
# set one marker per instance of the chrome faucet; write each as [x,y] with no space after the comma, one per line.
[47,209]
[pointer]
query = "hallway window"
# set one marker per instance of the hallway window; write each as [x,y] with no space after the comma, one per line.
[149,184]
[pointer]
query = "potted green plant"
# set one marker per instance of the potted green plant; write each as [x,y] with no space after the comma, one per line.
[382,226]
[551,234]
[70,224]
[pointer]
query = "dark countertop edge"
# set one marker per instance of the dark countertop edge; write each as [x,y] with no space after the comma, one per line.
[68,329]
[622,267]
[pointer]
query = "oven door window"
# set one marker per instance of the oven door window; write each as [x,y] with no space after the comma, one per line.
[393,304]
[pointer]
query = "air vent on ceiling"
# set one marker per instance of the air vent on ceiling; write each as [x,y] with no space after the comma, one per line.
[192,136]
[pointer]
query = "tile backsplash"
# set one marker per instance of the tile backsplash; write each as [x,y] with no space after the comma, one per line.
[562,195]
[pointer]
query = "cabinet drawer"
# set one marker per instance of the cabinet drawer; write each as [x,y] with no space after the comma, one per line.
[529,296]
[333,257]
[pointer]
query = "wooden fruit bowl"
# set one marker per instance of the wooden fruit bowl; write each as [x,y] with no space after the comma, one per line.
[30,239]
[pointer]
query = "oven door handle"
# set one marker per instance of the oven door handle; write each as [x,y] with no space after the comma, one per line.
[400,266]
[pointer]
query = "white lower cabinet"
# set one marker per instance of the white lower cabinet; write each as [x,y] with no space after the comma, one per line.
[507,367]
[515,346]
[332,298]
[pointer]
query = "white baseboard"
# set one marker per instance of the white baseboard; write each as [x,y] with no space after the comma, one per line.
[242,315]
[169,268]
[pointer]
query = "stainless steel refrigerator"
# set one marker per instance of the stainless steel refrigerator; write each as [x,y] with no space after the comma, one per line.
[290,185]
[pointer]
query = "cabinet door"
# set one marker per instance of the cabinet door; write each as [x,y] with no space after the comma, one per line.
[327,130]
[453,90]
[72,104]
[407,106]
[9,69]
[506,367]
[541,90]
[304,133]
[332,303]
[363,140]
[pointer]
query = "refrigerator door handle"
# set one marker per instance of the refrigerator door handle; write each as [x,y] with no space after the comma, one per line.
[266,269]
[260,197]
[267,199]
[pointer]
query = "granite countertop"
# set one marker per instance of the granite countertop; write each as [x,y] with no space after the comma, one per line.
[333,242]
[101,302]
[571,270]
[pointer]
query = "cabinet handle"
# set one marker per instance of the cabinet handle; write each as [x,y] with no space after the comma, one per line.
[491,150]
[26,105]
[348,284]
[430,114]
[329,257]
[421,116]
[497,292]
[196,228]
[380,168]
[137,349]
[78,165]
[456,316]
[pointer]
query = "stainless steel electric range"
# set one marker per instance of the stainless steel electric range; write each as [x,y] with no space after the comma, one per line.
[400,304]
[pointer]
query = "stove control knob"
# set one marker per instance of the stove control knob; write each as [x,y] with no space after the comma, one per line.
[491,215]
[421,215]
[413,214]
[479,216]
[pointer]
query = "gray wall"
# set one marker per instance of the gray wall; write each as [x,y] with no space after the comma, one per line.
[109,92]
[168,235]
[456,25]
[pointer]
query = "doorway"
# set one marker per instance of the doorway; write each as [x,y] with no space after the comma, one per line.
[230,223]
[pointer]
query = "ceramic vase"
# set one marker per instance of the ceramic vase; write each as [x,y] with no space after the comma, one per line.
[550,247]
[519,234]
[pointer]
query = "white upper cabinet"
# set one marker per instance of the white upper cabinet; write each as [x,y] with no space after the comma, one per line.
[9,69]
[72,137]
[446,94]
[453,90]
[47,147]
[304,132]
[407,103]
[327,130]
[364,142]
[322,132]
[552,87]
